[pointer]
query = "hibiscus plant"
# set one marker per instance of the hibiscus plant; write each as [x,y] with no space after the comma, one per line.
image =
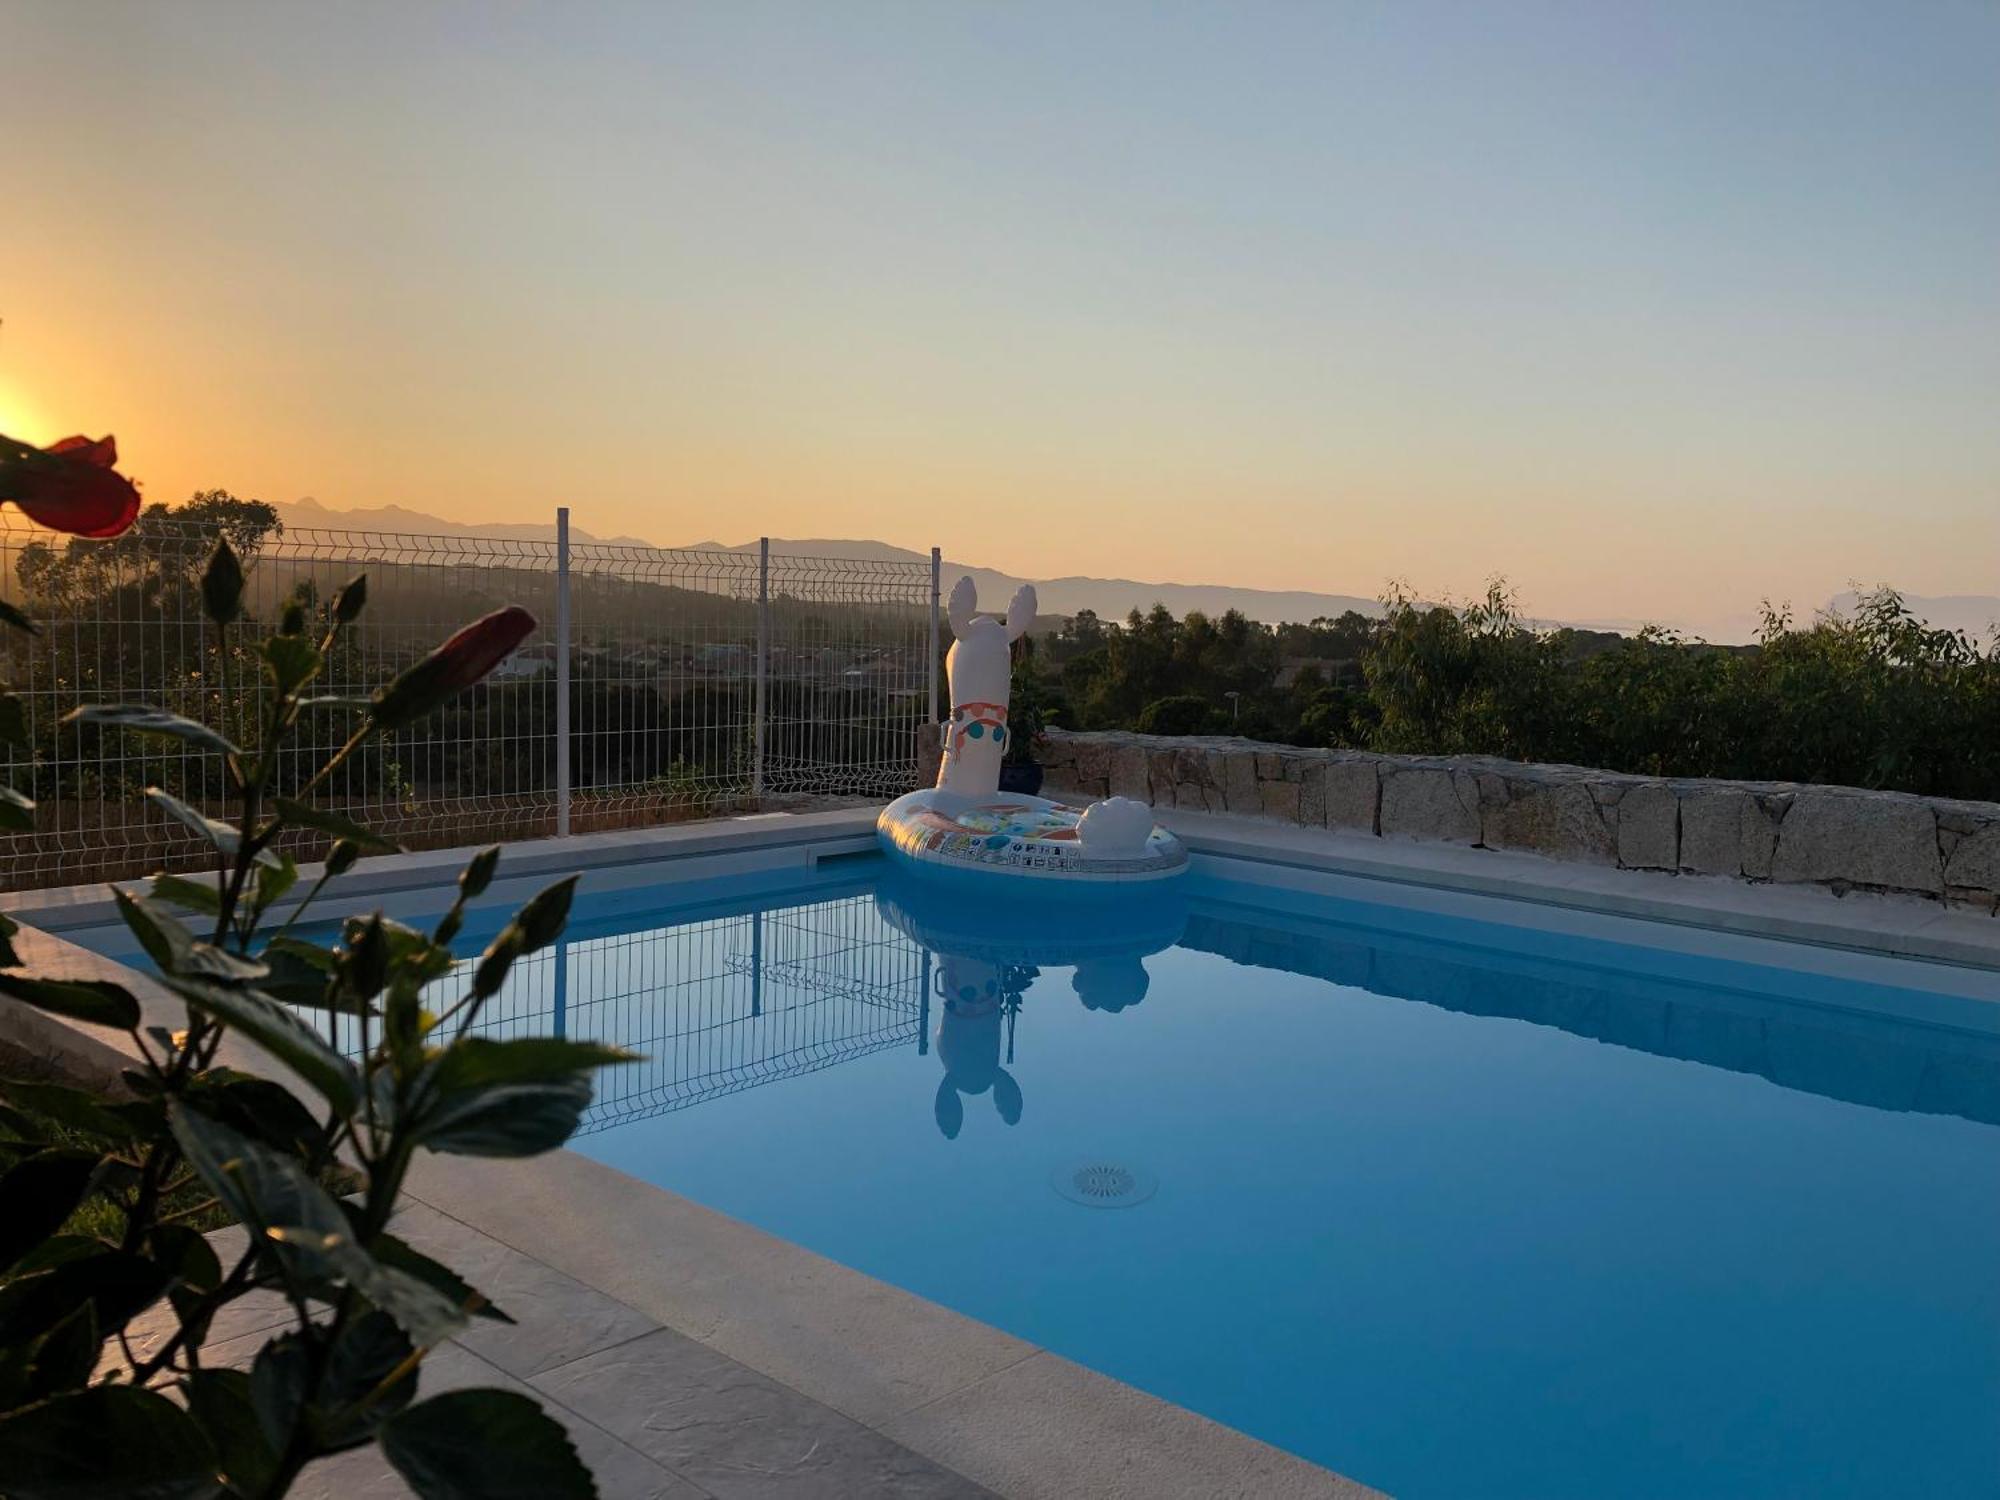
[90,1244]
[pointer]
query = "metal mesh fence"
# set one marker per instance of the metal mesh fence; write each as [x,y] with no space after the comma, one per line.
[694,682]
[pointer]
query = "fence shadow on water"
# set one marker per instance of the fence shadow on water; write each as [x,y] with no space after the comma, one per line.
[668,651]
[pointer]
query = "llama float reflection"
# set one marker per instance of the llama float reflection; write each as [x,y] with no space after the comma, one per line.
[981,958]
[965,826]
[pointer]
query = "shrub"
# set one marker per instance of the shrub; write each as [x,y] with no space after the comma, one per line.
[366,1306]
[1181,714]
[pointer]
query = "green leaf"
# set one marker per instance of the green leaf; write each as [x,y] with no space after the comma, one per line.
[9,615]
[37,1195]
[279,1378]
[141,718]
[222,585]
[220,1401]
[295,978]
[294,661]
[58,1250]
[369,1350]
[279,1032]
[120,1284]
[187,1254]
[282,1392]
[485,1445]
[308,953]
[81,1111]
[174,949]
[520,1119]
[97,1001]
[274,880]
[477,1062]
[17,811]
[260,1108]
[67,1355]
[194,895]
[441,1278]
[305,815]
[110,1442]
[226,837]
[303,1225]
[13,720]
[418,1308]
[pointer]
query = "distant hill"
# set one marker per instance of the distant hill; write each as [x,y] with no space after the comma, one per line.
[309,513]
[1112,598]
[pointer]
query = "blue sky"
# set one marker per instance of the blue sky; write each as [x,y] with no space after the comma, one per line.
[1657,310]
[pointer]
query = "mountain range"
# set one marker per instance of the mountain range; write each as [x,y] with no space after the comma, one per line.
[1111,598]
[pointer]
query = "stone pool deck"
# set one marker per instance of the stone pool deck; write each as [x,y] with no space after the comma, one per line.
[690,1355]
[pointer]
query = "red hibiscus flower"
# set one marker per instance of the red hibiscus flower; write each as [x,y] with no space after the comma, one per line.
[70,486]
[456,665]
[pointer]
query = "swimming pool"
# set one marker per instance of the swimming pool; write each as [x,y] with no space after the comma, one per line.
[1452,1206]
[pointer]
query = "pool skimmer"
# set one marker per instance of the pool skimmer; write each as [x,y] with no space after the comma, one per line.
[1104,1184]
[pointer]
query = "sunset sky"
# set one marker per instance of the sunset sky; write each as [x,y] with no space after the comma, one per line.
[1656,309]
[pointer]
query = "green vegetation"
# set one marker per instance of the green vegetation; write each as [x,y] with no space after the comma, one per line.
[103,1200]
[1874,699]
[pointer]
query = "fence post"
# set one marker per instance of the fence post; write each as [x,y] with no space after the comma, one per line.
[931,663]
[931,658]
[763,667]
[562,672]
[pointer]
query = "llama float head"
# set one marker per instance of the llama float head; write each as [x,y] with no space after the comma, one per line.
[980,668]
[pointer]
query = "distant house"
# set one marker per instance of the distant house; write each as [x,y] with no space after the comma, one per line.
[529,662]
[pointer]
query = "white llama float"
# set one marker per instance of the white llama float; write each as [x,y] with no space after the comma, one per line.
[965,825]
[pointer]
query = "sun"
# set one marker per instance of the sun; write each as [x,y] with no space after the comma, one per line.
[19,419]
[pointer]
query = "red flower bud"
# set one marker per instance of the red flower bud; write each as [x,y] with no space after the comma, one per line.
[70,486]
[455,666]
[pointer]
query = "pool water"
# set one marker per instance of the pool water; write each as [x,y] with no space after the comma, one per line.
[1452,1207]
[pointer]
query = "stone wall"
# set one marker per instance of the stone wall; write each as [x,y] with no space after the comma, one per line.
[1837,837]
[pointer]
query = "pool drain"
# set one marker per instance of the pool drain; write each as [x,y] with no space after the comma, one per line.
[1104,1184]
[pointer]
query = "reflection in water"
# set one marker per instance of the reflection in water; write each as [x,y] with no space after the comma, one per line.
[977,997]
[1850,1055]
[990,951]
[731,1001]
[723,1003]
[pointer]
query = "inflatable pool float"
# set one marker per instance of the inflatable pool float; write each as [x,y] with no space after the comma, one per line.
[1031,933]
[966,826]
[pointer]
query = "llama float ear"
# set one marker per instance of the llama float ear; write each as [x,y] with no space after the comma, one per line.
[963,605]
[1021,612]
[1007,1097]
[949,1109]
